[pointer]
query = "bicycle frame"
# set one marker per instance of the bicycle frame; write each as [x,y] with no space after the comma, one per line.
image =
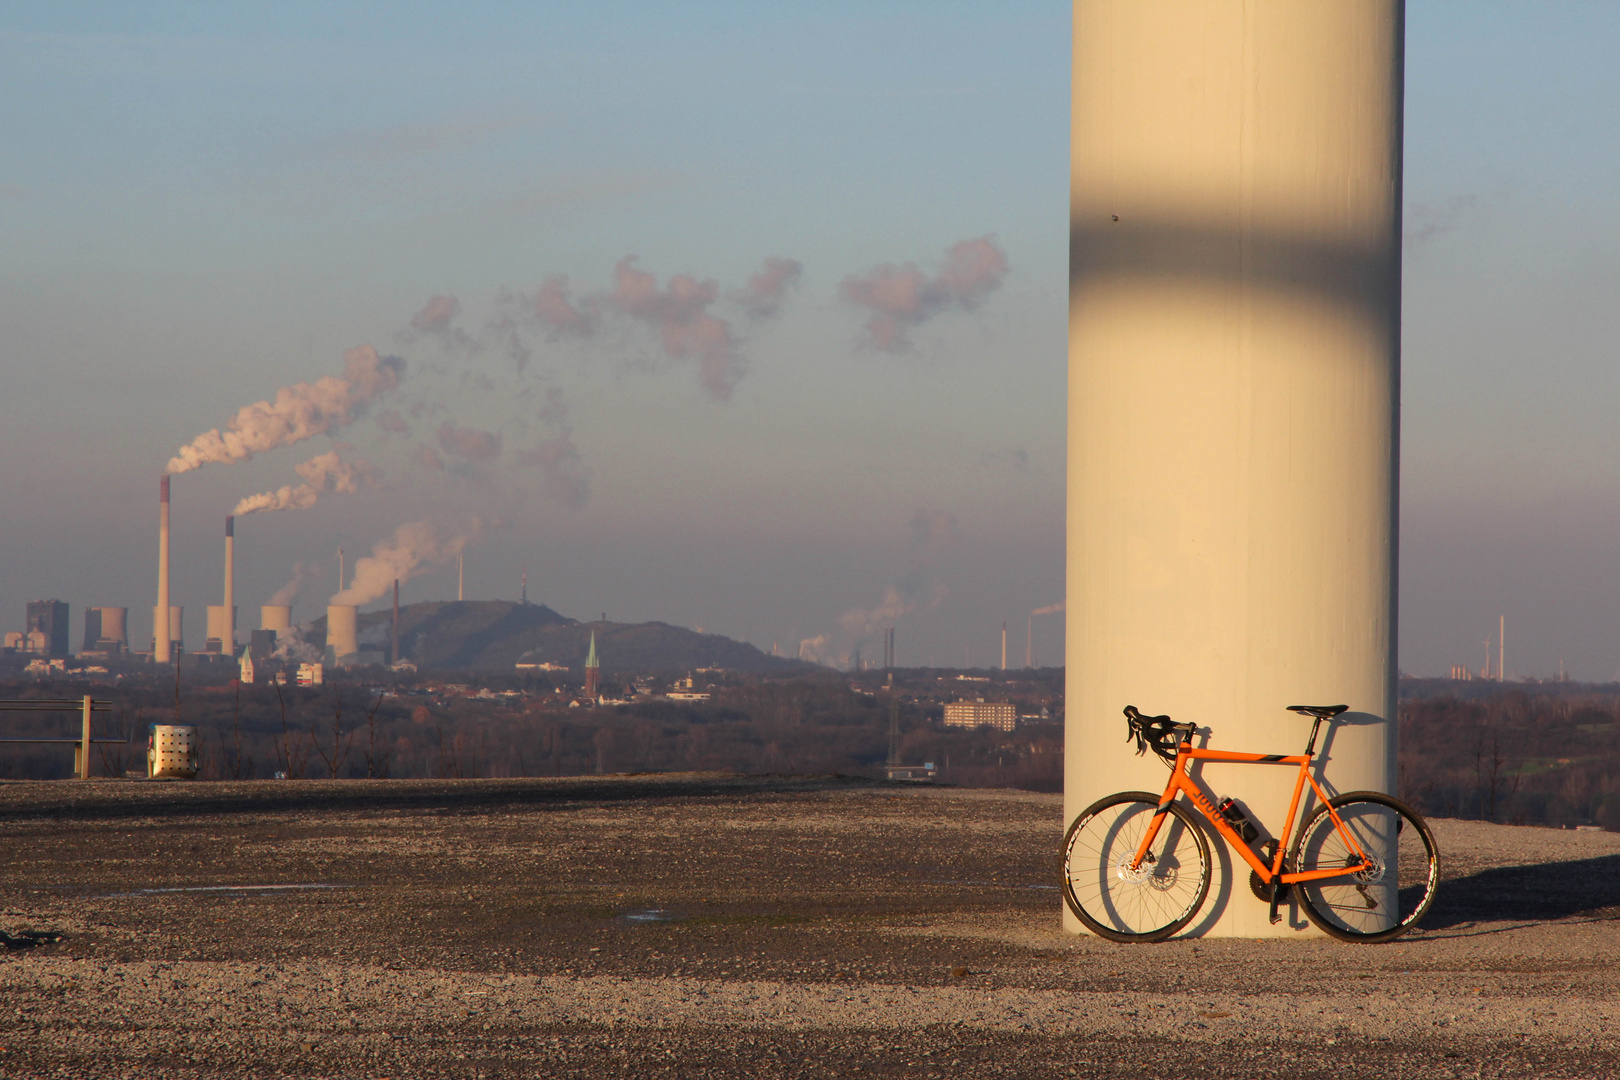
[1182,781]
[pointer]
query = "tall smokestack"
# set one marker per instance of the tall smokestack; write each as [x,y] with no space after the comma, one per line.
[393,656]
[1003,646]
[228,645]
[461,577]
[160,622]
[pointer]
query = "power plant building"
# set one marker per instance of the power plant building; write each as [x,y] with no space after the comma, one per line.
[106,630]
[49,618]
[971,714]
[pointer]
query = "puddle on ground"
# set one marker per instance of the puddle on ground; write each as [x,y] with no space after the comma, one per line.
[650,915]
[256,890]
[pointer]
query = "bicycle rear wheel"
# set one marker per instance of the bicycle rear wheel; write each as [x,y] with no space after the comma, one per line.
[1149,903]
[1373,905]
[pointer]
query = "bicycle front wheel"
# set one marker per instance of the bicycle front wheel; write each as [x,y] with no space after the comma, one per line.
[1151,902]
[1380,903]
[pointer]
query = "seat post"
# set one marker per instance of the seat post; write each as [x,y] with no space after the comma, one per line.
[1310,747]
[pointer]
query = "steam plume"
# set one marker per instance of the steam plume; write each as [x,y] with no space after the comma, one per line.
[901,297]
[680,314]
[764,292]
[402,556]
[469,443]
[552,307]
[1049,609]
[563,476]
[303,574]
[323,474]
[299,412]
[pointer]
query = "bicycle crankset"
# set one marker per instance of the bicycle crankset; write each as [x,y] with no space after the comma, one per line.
[1262,890]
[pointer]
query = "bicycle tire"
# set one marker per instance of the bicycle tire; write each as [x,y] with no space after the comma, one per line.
[1358,907]
[1146,905]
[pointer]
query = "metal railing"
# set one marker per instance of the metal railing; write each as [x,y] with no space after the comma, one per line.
[81,746]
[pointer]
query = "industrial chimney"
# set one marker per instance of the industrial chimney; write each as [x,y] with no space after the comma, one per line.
[343,630]
[229,642]
[160,617]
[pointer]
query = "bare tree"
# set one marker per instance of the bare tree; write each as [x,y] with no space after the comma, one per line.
[376,760]
[239,763]
[290,748]
[341,740]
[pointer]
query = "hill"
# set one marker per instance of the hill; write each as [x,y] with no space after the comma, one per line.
[493,635]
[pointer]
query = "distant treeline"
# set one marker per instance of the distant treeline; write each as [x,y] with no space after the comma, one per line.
[1540,754]
[804,724]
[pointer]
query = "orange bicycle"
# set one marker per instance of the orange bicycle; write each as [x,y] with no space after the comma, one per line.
[1136,866]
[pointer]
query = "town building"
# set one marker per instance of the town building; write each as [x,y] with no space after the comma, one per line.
[971,714]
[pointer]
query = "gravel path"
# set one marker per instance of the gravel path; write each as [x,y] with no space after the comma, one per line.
[722,926]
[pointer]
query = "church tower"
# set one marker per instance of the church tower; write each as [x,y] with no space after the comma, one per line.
[593,671]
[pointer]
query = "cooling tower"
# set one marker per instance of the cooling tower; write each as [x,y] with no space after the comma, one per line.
[277,617]
[219,628]
[342,630]
[162,632]
[115,625]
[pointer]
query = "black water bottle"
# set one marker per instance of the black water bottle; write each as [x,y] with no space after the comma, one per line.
[1235,817]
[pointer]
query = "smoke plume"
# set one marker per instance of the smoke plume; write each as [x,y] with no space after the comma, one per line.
[324,474]
[916,586]
[303,574]
[563,477]
[553,308]
[1049,609]
[469,443]
[901,297]
[680,314]
[299,412]
[763,294]
[412,548]
[437,320]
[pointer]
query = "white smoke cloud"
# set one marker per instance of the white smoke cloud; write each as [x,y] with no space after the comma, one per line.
[413,548]
[901,297]
[680,313]
[303,573]
[299,412]
[324,474]
[814,649]
[291,647]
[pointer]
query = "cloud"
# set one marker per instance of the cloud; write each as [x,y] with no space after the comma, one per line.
[563,476]
[763,294]
[428,458]
[299,412]
[436,320]
[324,474]
[1425,223]
[412,548]
[469,443]
[556,311]
[680,313]
[902,297]
[393,423]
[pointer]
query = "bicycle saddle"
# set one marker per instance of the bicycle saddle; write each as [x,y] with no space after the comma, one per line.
[1321,712]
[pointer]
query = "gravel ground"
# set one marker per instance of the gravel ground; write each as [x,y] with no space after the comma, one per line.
[724,926]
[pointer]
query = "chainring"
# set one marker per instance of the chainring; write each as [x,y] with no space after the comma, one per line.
[1261,889]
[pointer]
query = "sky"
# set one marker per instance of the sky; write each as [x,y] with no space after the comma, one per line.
[739,317]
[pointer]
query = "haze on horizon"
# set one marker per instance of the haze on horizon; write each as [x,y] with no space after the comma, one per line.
[738,318]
